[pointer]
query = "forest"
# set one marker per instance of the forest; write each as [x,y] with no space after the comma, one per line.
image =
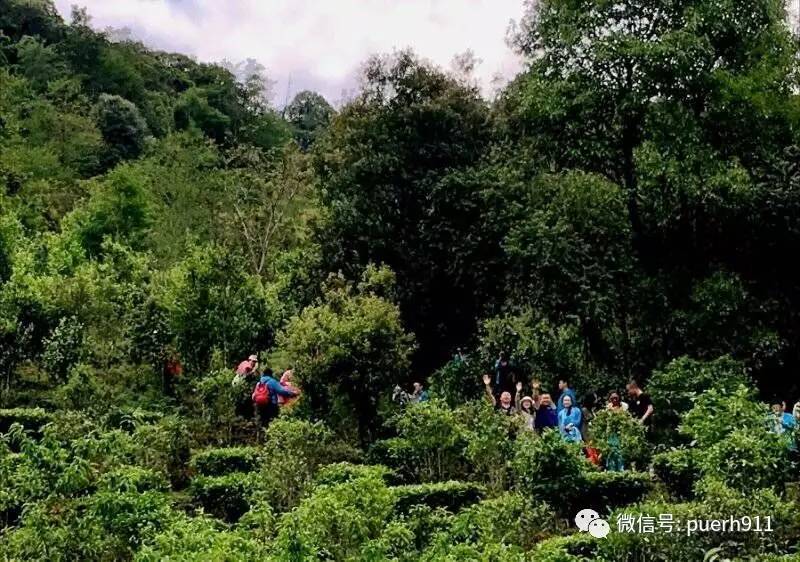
[627,208]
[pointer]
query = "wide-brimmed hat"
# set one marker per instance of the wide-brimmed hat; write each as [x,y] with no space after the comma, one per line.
[528,398]
[253,358]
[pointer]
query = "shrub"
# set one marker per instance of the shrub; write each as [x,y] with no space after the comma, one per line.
[28,418]
[83,390]
[429,445]
[508,519]
[293,452]
[129,418]
[216,402]
[452,495]
[489,442]
[719,503]
[103,526]
[132,479]
[259,521]
[748,461]
[459,381]
[221,461]
[678,470]
[164,447]
[347,350]
[213,303]
[342,472]
[201,538]
[675,387]
[64,348]
[605,490]
[334,521]
[577,547]
[718,412]
[547,467]
[227,497]
[632,441]
[536,345]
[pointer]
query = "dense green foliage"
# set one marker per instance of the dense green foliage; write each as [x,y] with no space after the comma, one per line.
[627,207]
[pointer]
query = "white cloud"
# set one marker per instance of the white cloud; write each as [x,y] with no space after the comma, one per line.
[319,43]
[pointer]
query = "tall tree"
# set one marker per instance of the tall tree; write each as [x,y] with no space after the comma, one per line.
[602,72]
[309,114]
[394,179]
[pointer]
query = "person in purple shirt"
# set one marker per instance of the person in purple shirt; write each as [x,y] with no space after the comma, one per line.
[546,414]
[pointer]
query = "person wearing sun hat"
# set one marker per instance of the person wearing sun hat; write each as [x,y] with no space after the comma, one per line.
[525,407]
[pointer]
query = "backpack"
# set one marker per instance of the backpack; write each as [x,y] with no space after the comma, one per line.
[261,394]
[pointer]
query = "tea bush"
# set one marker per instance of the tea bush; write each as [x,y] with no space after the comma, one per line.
[339,473]
[630,433]
[717,413]
[293,452]
[604,491]
[165,447]
[678,470]
[676,387]
[548,468]
[222,461]
[132,479]
[28,418]
[335,521]
[509,519]
[227,497]
[430,443]
[452,495]
[201,538]
[748,461]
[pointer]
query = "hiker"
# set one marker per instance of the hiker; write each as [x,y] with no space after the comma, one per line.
[569,421]
[616,403]
[171,370]
[546,413]
[419,394]
[783,421]
[524,405]
[286,383]
[587,415]
[641,406]
[265,399]
[796,412]
[503,374]
[504,404]
[614,460]
[245,369]
[401,397]
[566,391]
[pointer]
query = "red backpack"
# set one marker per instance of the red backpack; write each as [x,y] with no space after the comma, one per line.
[261,394]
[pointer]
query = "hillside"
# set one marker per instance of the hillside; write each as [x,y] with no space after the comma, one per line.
[626,209]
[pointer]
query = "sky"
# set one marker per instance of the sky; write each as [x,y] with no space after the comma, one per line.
[318,44]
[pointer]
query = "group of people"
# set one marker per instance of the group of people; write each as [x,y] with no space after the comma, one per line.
[540,411]
[268,394]
[572,420]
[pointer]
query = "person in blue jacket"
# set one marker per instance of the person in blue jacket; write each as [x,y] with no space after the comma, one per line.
[266,407]
[566,391]
[784,423]
[569,420]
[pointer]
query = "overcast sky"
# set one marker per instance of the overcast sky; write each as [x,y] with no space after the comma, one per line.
[320,44]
